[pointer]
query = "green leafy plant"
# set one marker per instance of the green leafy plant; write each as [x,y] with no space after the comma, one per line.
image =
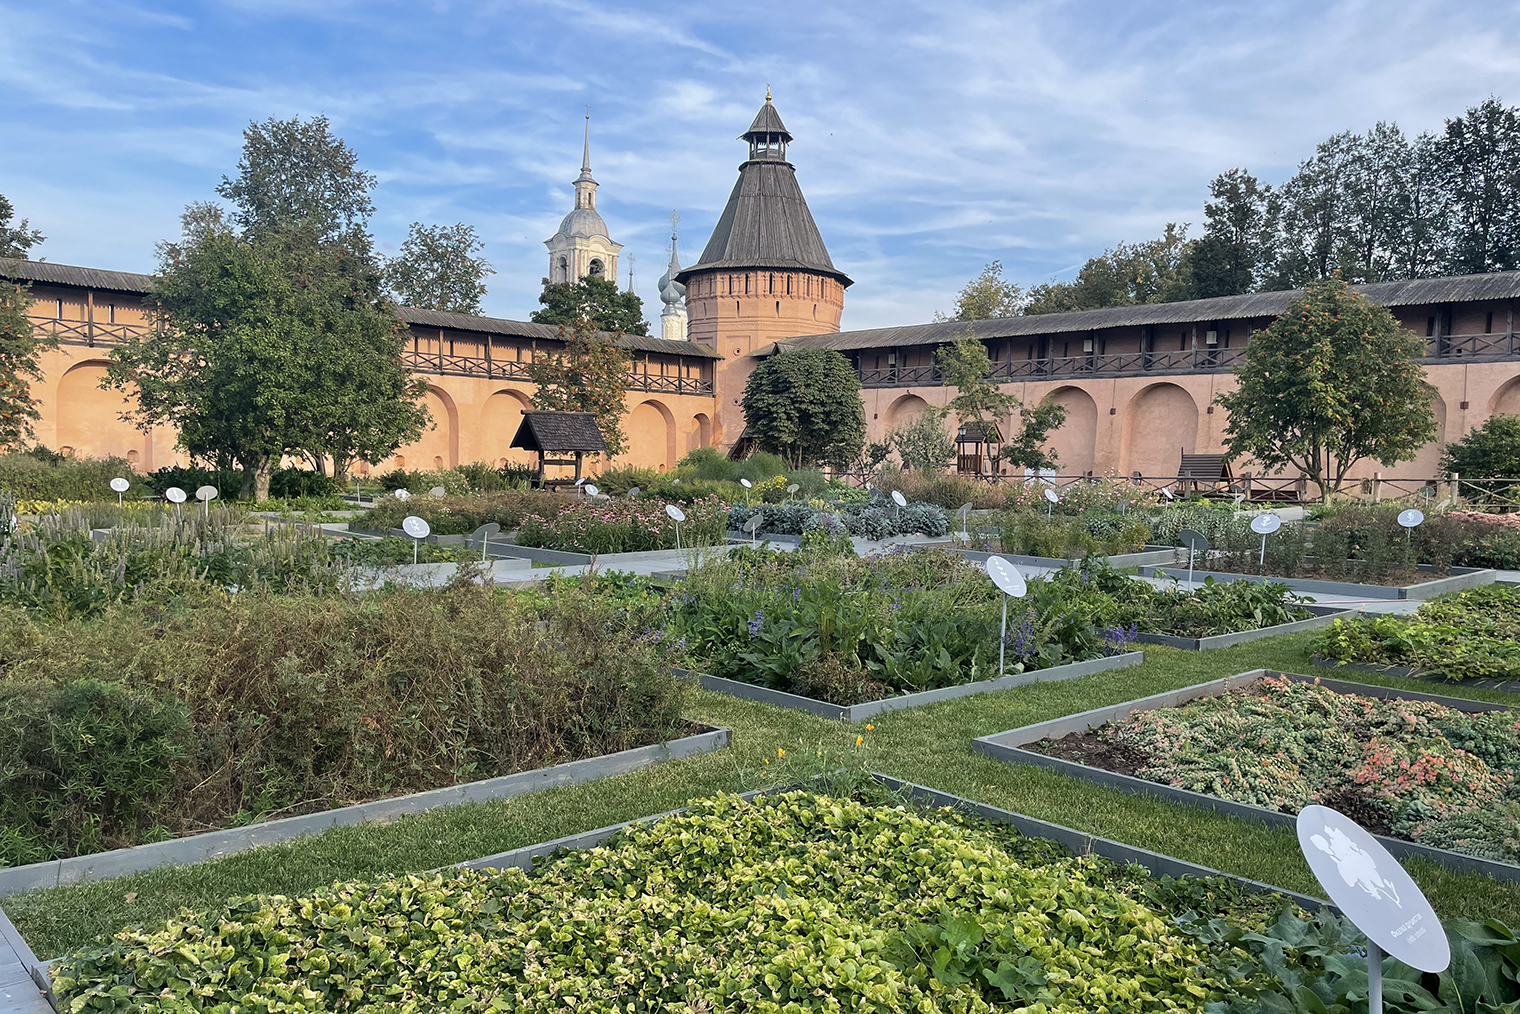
[1473,634]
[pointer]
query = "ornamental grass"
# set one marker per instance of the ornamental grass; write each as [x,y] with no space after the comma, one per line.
[159,720]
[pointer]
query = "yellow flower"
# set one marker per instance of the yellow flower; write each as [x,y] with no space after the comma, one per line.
[870,727]
[859,740]
[780,752]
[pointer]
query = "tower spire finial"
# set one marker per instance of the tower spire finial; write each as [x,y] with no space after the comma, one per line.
[767,95]
[586,152]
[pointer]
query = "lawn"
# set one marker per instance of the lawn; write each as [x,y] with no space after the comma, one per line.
[931,746]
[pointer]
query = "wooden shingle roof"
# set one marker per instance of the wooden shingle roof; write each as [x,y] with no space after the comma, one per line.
[49,273]
[553,432]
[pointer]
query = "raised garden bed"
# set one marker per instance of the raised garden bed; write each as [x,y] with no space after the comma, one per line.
[1323,617]
[870,709]
[1409,672]
[1471,637]
[886,867]
[1029,745]
[1151,556]
[1457,579]
[216,844]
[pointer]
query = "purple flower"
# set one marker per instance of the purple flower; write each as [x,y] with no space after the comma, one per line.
[756,624]
[1115,638]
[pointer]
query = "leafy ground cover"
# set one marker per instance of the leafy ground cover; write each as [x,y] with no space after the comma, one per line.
[844,903]
[847,630]
[160,720]
[931,746]
[1473,634]
[1030,532]
[392,551]
[1412,769]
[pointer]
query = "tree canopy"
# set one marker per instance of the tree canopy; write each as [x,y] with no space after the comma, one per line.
[1492,451]
[440,267]
[979,399]
[589,374]
[279,338]
[1331,382]
[1370,207]
[19,346]
[987,297]
[592,299]
[805,406]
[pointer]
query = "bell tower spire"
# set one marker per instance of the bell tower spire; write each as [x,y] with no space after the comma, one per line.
[585,186]
[582,247]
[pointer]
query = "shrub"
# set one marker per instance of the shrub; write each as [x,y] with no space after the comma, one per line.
[190,478]
[39,474]
[207,713]
[870,518]
[1032,533]
[1487,540]
[841,905]
[603,525]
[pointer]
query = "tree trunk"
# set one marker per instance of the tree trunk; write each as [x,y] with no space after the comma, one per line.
[246,490]
[261,482]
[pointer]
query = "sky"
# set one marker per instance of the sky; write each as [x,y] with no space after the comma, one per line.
[930,138]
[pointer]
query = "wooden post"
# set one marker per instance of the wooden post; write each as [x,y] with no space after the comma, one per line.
[579,456]
[1245,481]
[1377,487]
[1452,486]
[89,316]
[489,342]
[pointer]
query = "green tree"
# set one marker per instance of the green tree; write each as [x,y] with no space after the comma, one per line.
[1237,250]
[1491,451]
[440,268]
[15,239]
[589,374]
[278,336]
[1331,382]
[805,406]
[1480,172]
[20,348]
[987,297]
[921,443]
[965,366]
[297,178]
[592,299]
[1126,275]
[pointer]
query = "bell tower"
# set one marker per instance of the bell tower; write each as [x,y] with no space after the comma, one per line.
[582,246]
[765,273]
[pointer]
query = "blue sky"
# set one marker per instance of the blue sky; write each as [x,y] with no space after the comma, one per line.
[930,137]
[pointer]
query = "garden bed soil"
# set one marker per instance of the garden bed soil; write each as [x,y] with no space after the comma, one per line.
[216,844]
[1066,745]
[1323,617]
[870,709]
[1409,672]
[1459,579]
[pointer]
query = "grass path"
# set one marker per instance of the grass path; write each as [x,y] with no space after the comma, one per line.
[930,745]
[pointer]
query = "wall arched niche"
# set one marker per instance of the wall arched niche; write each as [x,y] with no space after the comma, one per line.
[1160,425]
[89,419]
[500,419]
[905,409]
[650,431]
[1075,441]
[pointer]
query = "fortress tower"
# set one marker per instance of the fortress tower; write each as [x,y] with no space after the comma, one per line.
[765,274]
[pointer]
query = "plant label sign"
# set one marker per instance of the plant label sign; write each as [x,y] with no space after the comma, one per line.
[403,494]
[1265,524]
[416,527]
[590,489]
[120,485]
[175,495]
[1372,889]
[206,494]
[633,491]
[676,514]
[1051,495]
[580,481]
[1011,583]
[438,491]
[899,499]
[746,483]
[1412,518]
[790,489]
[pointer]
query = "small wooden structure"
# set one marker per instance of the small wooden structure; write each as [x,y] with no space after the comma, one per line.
[559,433]
[976,448]
[1204,473]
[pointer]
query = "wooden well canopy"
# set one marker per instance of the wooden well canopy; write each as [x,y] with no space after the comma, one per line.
[970,441]
[559,433]
[1203,473]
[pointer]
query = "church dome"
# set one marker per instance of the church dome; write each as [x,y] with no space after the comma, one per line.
[583,223]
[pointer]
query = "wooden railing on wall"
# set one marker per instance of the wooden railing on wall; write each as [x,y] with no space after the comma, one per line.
[71,332]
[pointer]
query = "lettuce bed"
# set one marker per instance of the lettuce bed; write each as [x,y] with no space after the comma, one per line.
[789,903]
[1412,769]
